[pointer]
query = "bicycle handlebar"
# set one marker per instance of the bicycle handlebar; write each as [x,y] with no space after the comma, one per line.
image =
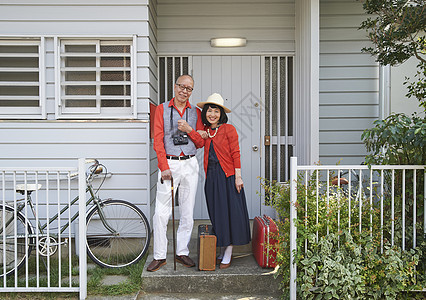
[95,168]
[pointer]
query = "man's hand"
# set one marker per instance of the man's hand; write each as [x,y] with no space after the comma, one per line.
[166,174]
[203,133]
[184,126]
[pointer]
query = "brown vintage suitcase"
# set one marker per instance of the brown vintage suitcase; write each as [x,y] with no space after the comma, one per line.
[206,248]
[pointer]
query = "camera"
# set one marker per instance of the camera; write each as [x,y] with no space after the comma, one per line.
[180,139]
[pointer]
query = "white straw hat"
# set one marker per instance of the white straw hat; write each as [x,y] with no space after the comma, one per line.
[214,99]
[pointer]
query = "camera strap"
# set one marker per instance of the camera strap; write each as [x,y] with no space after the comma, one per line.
[171,117]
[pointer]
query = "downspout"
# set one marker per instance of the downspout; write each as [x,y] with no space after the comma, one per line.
[384,91]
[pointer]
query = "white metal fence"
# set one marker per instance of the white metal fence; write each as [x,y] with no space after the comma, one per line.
[37,240]
[396,193]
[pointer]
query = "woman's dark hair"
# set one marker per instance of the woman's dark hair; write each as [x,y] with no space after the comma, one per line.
[223,117]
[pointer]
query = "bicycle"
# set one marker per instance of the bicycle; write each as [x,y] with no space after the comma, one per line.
[112,227]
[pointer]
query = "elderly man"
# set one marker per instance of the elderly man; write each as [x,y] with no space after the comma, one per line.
[175,141]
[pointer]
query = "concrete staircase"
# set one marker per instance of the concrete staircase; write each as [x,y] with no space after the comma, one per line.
[243,279]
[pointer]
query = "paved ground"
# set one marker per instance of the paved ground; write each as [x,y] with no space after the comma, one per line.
[201,297]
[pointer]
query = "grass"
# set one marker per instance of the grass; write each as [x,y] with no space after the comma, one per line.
[131,285]
[95,276]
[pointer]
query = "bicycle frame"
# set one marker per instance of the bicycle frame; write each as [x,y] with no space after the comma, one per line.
[111,224]
[97,202]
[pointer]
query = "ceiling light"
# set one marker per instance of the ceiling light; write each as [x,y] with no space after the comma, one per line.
[228,42]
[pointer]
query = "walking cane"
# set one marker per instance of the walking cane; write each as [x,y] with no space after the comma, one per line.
[173,219]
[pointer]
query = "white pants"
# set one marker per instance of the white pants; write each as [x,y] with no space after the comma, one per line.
[185,175]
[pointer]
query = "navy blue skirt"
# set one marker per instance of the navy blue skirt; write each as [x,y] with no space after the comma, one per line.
[227,208]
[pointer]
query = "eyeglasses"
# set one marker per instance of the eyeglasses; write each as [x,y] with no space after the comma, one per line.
[183,87]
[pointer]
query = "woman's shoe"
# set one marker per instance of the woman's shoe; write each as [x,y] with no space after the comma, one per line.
[225,266]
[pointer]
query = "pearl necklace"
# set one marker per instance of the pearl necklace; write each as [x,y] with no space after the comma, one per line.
[215,132]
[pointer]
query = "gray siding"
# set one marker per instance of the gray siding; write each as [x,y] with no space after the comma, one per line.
[123,145]
[349,83]
[186,27]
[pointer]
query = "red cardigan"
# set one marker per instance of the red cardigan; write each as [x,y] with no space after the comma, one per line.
[227,149]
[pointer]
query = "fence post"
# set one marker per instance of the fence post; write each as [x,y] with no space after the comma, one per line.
[82,226]
[293,230]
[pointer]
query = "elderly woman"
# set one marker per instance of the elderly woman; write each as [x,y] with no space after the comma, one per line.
[226,201]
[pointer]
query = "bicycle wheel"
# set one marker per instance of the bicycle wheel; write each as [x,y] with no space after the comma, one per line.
[13,254]
[130,241]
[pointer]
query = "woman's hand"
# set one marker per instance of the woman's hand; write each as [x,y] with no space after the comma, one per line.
[203,133]
[238,180]
[239,183]
[184,126]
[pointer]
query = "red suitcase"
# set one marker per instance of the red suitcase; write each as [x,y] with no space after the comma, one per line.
[264,241]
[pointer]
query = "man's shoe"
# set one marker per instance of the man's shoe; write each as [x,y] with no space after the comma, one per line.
[155,265]
[185,260]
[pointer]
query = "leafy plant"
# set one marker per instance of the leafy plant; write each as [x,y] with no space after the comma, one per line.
[343,268]
[396,140]
[397,32]
[336,257]
[401,140]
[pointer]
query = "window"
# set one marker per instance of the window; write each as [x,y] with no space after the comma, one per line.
[19,78]
[96,79]
[170,68]
[278,116]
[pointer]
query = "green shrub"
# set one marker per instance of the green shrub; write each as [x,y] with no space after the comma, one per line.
[337,258]
[396,140]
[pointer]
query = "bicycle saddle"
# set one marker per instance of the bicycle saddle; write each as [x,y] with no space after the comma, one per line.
[20,188]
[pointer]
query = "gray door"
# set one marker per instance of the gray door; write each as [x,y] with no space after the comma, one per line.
[238,80]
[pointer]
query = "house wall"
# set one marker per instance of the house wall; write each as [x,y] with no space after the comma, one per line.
[123,145]
[349,79]
[186,27]
[349,83]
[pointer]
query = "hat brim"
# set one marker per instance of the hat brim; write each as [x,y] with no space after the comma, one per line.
[201,105]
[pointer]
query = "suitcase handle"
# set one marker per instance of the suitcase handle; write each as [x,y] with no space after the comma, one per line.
[206,229]
[265,218]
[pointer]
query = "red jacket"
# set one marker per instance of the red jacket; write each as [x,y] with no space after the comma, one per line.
[227,149]
[159,134]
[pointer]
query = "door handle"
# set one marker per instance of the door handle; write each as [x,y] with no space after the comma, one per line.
[255,148]
[267,140]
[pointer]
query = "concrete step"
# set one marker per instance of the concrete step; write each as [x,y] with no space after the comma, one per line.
[244,277]
[193,243]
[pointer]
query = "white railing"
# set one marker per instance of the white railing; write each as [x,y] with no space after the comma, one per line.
[368,187]
[37,241]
